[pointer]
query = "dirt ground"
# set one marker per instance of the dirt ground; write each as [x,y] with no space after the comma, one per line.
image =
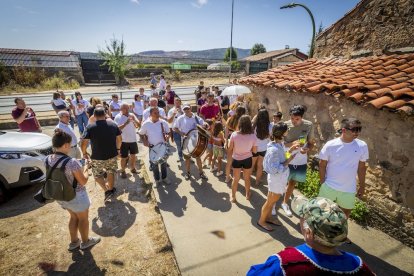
[34,238]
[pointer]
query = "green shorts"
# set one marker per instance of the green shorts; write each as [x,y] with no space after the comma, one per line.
[297,173]
[343,199]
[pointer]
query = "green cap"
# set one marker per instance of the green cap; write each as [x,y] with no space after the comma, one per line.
[327,221]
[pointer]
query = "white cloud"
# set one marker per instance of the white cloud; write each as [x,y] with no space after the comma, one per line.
[180,41]
[135,1]
[199,3]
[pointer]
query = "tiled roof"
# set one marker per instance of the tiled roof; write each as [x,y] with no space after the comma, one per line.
[38,58]
[271,54]
[384,82]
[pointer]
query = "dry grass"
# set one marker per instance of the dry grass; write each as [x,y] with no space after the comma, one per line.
[34,240]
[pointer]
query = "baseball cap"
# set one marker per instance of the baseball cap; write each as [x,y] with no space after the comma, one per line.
[327,221]
[186,106]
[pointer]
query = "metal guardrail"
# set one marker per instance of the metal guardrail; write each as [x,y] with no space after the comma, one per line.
[41,102]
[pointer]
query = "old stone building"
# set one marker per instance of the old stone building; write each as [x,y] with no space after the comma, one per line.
[264,61]
[378,90]
[373,27]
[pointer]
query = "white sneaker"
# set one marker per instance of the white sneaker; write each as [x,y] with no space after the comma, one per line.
[220,173]
[274,210]
[91,242]
[213,169]
[286,208]
[74,245]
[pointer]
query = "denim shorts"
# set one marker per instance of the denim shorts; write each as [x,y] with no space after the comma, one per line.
[298,172]
[80,203]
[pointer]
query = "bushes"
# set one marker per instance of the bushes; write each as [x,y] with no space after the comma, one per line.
[22,78]
[311,189]
[172,74]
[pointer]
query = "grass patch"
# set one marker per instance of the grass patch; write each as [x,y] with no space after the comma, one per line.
[311,187]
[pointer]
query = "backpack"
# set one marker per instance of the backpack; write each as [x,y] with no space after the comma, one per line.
[57,186]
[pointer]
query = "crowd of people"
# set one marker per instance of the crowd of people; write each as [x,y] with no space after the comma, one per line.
[263,145]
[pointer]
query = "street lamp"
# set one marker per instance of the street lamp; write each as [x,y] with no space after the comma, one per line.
[231,37]
[292,5]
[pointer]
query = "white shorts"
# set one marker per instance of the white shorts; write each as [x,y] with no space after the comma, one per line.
[80,203]
[277,182]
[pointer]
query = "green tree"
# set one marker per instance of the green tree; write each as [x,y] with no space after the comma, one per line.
[233,54]
[257,48]
[115,58]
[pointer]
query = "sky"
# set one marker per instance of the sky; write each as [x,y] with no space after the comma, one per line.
[85,25]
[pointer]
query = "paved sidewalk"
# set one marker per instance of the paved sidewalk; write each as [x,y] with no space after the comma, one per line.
[212,236]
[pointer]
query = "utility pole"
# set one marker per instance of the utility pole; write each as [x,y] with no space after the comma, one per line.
[292,5]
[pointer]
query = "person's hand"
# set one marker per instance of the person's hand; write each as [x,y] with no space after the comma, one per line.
[360,193]
[304,150]
[86,156]
[295,146]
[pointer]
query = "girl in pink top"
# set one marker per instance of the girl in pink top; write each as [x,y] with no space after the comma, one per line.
[242,146]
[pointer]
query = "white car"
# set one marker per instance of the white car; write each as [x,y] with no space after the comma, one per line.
[22,157]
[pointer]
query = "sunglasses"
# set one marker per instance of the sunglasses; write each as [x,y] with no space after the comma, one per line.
[354,129]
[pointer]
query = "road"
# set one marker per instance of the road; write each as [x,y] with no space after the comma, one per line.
[41,102]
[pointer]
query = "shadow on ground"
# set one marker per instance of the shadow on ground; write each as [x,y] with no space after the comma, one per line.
[83,264]
[20,201]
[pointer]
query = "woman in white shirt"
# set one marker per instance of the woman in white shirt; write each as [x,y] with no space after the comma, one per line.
[261,124]
[138,106]
[80,105]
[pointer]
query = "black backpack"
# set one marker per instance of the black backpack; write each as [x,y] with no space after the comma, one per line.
[57,186]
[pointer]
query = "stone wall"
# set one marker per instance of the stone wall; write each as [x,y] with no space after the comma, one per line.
[390,176]
[373,27]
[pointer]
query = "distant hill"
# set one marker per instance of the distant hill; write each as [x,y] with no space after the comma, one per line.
[191,57]
[210,54]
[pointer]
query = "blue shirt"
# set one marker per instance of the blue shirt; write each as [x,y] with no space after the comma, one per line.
[274,158]
[345,263]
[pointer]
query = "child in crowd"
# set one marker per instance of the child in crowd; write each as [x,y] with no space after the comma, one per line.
[209,151]
[277,117]
[275,163]
[218,148]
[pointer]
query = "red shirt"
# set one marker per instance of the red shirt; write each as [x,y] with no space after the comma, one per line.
[29,123]
[209,111]
[170,97]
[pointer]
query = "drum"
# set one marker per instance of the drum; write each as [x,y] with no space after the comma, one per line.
[196,142]
[158,154]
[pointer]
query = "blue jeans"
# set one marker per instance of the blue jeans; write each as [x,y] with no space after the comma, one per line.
[177,140]
[156,170]
[82,122]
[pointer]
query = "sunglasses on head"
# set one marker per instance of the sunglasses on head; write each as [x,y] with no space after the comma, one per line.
[354,129]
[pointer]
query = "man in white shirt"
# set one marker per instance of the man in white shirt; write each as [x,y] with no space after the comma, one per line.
[154,131]
[341,160]
[153,103]
[144,97]
[64,125]
[173,114]
[127,123]
[114,106]
[186,122]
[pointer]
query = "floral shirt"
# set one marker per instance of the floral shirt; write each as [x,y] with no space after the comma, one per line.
[72,166]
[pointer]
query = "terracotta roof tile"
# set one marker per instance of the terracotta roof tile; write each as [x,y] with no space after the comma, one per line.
[379,81]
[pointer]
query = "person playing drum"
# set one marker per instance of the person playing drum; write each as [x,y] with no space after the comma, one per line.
[186,122]
[153,132]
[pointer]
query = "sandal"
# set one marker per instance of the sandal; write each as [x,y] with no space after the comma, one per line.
[276,223]
[264,228]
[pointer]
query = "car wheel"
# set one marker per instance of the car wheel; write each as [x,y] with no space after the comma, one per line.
[3,193]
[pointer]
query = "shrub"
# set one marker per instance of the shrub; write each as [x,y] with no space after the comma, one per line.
[4,75]
[360,211]
[58,82]
[311,187]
